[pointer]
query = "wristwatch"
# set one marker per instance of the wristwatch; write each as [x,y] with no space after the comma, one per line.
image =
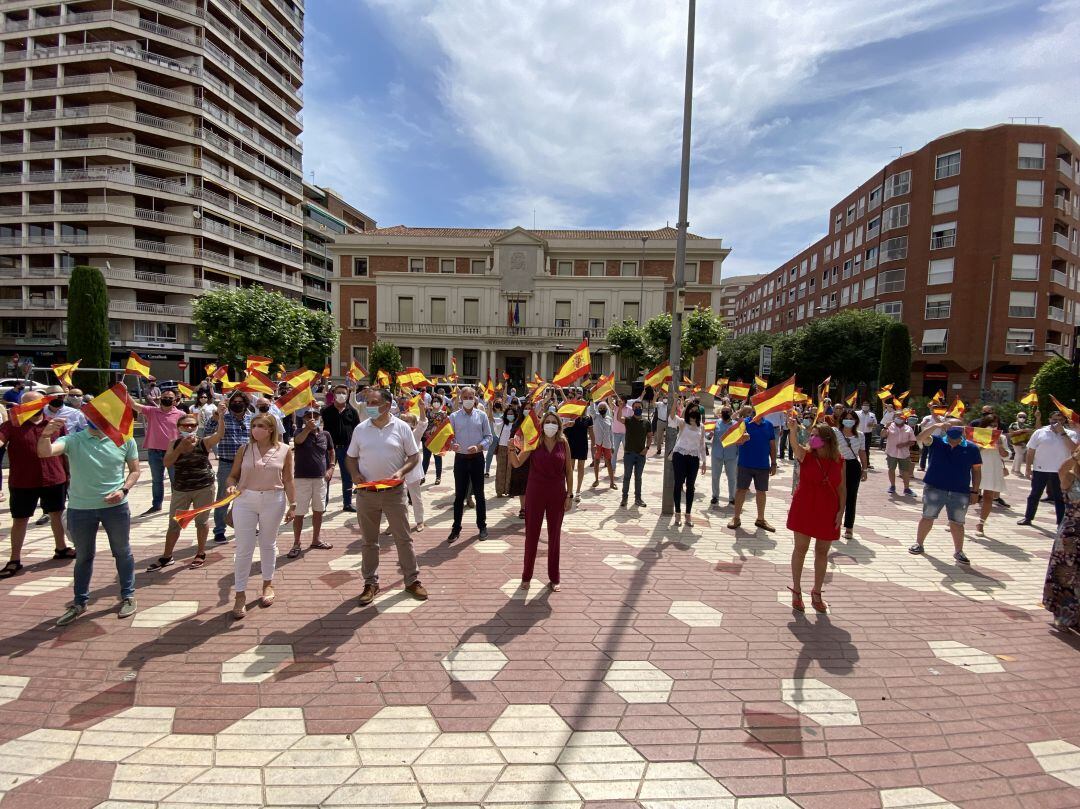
[125,490]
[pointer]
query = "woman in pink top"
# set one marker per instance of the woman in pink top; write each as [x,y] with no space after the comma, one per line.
[618,427]
[263,474]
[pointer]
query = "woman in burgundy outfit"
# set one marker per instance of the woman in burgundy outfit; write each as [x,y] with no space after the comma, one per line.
[548,493]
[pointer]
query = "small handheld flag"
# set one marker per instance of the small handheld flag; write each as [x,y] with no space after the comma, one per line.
[298,397]
[577,366]
[957,410]
[137,365]
[185,390]
[219,372]
[256,363]
[382,379]
[357,372]
[378,485]
[257,382]
[572,408]
[63,371]
[1066,412]
[733,435]
[852,399]
[1032,399]
[441,439]
[780,397]
[738,389]
[111,412]
[605,386]
[184,518]
[982,437]
[658,375]
[22,413]
[760,383]
[530,431]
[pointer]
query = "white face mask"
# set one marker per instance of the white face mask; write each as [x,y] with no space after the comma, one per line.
[550,429]
[341,398]
[187,433]
[468,404]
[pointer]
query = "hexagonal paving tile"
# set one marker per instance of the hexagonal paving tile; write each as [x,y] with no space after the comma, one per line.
[623,561]
[515,592]
[46,584]
[965,657]
[913,798]
[474,662]
[820,702]
[784,597]
[11,687]
[164,614]
[396,601]
[491,546]
[256,664]
[695,613]
[1059,759]
[638,681]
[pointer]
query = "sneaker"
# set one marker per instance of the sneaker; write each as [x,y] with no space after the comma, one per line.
[1001,502]
[908,493]
[417,591]
[892,490]
[128,607]
[73,612]
[349,508]
[715,501]
[916,550]
[1023,521]
[961,557]
[220,538]
[483,533]
[370,591]
[151,510]
[42,520]
[453,536]
[639,503]
[622,503]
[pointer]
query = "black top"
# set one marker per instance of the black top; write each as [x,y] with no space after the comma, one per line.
[577,436]
[310,457]
[340,424]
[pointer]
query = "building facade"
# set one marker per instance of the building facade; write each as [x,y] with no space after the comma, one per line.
[326,217]
[972,241]
[159,141]
[730,290]
[512,300]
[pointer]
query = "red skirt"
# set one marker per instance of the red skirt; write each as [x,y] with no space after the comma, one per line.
[816,501]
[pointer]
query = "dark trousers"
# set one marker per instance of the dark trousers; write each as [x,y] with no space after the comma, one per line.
[923,456]
[541,504]
[469,471]
[685,468]
[427,462]
[785,445]
[346,478]
[1041,481]
[852,479]
[866,443]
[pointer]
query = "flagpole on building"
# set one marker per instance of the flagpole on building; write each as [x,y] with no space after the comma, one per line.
[675,353]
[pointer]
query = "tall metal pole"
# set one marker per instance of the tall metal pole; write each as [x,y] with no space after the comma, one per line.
[641,272]
[675,353]
[986,337]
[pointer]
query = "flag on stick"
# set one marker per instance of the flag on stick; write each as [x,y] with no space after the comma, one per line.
[441,439]
[573,408]
[957,410]
[63,371]
[1066,412]
[137,365]
[22,413]
[982,437]
[184,518]
[760,383]
[257,382]
[530,431]
[779,397]
[577,366]
[658,375]
[1032,398]
[382,379]
[605,386]
[732,436]
[298,397]
[185,390]
[111,412]
[256,363]
[738,389]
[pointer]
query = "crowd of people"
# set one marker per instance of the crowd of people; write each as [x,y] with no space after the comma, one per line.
[265,468]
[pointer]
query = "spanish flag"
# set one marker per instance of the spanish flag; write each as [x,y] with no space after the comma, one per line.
[378,485]
[257,382]
[852,399]
[738,389]
[760,383]
[441,439]
[573,408]
[300,376]
[957,410]
[111,412]
[210,368]
[823,388]
[256,363]
[184,518]
[982,437]
[605,386]
[884,394]
[326,371]
[415,403]
[1031,399]
[453,368]
[577,366]
[63,371]
[22,413]
[300,396]
[413,378]
[185,390]
[136,365]
[539,380]
[382,378]
[1066,412]
[219,372]
[777,398]
[489,391]
[226,383]
[717,386]
[658,375]
[734,434]
[357,372]
[820,413]
[938,397]
[530,431]
[800,397]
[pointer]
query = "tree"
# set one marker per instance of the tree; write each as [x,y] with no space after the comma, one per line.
[738,356]
[702,330]
[88,327]
[384,357]
[627,341]
[236,323]
[1056,378]
[846,346]
[895,363]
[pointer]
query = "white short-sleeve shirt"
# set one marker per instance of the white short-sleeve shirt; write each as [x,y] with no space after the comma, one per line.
[381,451]
[1050,449]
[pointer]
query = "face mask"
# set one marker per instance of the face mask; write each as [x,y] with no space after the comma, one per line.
[816,442]
[237,407]
[509,418]
[54,405]
[437,406]
[898,421]
[550,429]
[848,422]
[637,412]
[468,404]
[955,433]
[806,422]
[264,408]
[73,401]
[187,433]
[372,411]
[603,411]
[259,433]
[166,402]
[341,398]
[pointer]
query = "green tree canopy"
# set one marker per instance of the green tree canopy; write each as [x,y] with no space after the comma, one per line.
[627,340]
[88,327]
[1056,378]
[384,357]
[894,366]
[649,345]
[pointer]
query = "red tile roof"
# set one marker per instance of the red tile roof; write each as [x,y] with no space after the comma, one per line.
[492,233]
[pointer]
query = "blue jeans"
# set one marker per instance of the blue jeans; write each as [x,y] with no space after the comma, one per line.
[954,503]
[224,469]
[346,478]
[156,459]
[633,464]
[82,526]
[438,462]
[729,467]
[616,442]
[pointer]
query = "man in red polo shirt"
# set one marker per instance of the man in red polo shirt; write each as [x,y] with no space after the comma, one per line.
[32,480]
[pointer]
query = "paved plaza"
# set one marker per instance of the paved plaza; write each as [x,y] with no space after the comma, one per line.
[669,673]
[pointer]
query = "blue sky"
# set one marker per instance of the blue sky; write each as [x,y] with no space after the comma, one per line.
[476,113]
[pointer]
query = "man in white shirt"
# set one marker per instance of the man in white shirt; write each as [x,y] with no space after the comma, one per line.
[926,423]
[1048,448]
[660,418]
[383,447]
[867,424]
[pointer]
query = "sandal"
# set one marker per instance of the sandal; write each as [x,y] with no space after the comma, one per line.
[735,523]
[319,545]
[765,525]
[239,609]
[162,563]
[554,587]
[294,551]
[268,597]
[64,553]
[796,600]
[818,602]
[198,561]
[12,568]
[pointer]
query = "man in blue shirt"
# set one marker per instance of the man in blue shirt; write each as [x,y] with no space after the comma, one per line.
[757,463]
[725,459]
[237,433]
[951,482]
[14,395]
[472,437]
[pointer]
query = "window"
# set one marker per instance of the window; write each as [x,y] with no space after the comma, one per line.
[596,314]
[1027,230]
[161,332]
[791,295]
[855,293]
[1029,193]
[869,287]
[898,184]
[564,268]
[360,313]
[446,265]
[631,310]
[935,341]
[359,353]
[946,200]
[802,311]
[943,236]
[838,223]
[813,262]
[478,266]
[948,165]
[893,309]
[416,265]
[803,265]
[891,281]
[875,198]
[628,269]
[845,296]
[858,235]
[941,271]
[849,242]
[894,248]
[691,272]
[858,264]
[471,311]
[1022,304]
[938,307]
[1015,338]
[1032,156]
[438,362]
[873,227]
[596,268]
[405,310]
[562,314]
[438,311]
[802,290]
[828,252]
[359,267]
[1025,267]
[470,363]
[850,214]
[897,216]
[862,207]
[870,258]
[847,269]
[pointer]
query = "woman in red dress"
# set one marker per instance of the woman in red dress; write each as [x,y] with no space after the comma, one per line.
[548,492]
[817,508]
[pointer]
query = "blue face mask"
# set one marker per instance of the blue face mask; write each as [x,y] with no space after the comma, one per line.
[955,433]
[373,412]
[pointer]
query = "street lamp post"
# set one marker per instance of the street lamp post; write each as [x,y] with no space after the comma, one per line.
[641,273]
[675,352]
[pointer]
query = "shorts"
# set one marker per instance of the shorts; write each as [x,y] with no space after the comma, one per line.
[24,502]
[310,495]
[184,501]
[903,463]
[601,454]
[760,477]
[954,503]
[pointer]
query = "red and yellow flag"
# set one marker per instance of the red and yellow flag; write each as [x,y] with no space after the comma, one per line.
[573,408]
[957,410]
[1071,415]
[226,383]
[453,368]
[717,386]
[738,389]
[487,390]
[185,390]
[903,396]
[852,399]
[819,414]
[209,368]
[440,440]
[605,386]
[137,365]
[382,378]
[257,382]
[884,394]
[22,413]
[257,363]
[760,383]
[326,371]
[300,376]
[938,398]
[415,404]
[734,434]
[357,372]
[412,378]
[823,388]
[298,397]
[63,371]
[530,431]
[378,485]
[779,397]
[982,437]
[658,375]
[577,366]
[184,518]
[219,372]
[111,412]
[1032,398]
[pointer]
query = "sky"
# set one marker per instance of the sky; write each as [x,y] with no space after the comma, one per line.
[495,113]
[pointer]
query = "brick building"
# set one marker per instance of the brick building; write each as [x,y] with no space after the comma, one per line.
[730,290]
[921,240]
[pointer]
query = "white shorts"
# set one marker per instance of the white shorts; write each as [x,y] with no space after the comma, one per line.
[310,495]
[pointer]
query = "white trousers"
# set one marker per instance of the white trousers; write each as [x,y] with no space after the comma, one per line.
[256,510]
[417,501]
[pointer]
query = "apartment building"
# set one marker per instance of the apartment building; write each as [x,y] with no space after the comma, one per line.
[730,290]
[512,300]
[326,216]
[158,140]
[977,222]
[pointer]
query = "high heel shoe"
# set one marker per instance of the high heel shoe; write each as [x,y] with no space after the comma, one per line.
[818,602]
[796,600]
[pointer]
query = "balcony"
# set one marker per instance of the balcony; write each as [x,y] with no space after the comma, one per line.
[1065,167]
[1062,204]
[1062,240]
[943,241]
[319,293]
[499,332]
[1055,313]
[149,308]
[1059,277]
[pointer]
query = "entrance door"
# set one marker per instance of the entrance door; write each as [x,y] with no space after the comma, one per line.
[515,367]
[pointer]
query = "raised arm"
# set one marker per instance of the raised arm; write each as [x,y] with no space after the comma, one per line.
[214,438]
